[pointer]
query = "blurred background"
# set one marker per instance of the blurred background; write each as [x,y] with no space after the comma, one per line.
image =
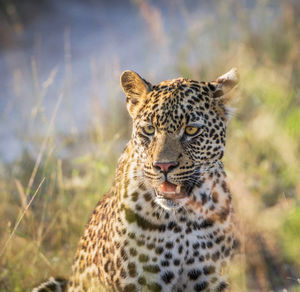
[63,121]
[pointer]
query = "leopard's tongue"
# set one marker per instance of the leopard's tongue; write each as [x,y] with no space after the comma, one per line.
[171,191]
[167,187]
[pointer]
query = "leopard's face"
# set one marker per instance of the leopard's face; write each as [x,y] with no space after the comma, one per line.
[178,132]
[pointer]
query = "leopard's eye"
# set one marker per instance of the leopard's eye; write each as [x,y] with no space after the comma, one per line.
[191,130]
[149,130]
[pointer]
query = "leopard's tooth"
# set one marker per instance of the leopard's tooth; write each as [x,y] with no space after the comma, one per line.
[178,189]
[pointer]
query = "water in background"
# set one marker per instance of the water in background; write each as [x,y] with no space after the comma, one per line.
[79,48]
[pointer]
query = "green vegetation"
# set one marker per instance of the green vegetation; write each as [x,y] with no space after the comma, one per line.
[262,158]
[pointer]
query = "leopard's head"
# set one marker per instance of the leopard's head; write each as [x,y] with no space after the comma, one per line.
[179,130]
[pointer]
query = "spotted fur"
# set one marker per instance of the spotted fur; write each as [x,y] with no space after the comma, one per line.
[53,284]
[138,238]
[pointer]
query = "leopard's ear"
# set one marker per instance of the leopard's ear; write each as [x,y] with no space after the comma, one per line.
[135,88]
[225,83]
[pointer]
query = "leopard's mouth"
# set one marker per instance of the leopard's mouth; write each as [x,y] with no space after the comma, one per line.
[168,194]
[171,191]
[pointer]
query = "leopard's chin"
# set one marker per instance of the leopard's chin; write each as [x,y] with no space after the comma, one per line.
[167,204]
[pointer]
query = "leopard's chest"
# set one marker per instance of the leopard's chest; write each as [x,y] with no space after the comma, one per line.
[180,256]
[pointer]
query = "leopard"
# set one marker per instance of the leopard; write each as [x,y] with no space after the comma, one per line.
[167,223]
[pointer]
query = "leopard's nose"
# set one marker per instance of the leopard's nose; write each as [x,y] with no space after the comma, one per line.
[165,166]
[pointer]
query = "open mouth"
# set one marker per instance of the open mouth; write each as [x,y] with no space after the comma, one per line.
[171,191]
[168,195]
